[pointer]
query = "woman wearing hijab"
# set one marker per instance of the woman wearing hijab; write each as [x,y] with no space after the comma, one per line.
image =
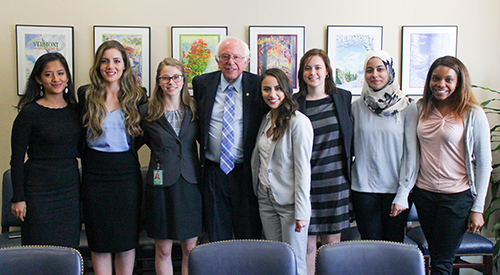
[385,149]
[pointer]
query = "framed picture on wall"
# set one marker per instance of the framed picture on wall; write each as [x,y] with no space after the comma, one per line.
[277,47]
[34,41]
[420,46]
[347,47]
[195,48]
[137,42]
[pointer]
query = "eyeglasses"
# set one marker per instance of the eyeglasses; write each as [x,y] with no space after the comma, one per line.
[227,57]
[166,79]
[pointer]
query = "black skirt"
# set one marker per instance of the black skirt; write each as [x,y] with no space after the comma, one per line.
[173,212]
[111,200]
[53,203]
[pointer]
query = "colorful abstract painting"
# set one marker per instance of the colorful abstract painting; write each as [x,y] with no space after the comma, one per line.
[197,53]
[133,45]
[278,51]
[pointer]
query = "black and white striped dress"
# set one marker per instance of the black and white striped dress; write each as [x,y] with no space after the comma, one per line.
[329,187]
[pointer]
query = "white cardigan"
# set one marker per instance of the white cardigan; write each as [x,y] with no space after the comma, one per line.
[290,165]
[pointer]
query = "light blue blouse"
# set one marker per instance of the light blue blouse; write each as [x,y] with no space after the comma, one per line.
[114,138]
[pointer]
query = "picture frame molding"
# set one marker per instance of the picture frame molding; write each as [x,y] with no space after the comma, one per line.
[333,30]
[406,50]
[100,30]
[255,30]
[177,31]
[22,30]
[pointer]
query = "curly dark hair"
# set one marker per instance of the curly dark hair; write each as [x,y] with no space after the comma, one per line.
[288,105]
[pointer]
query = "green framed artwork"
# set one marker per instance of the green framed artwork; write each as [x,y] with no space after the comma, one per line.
[195,47]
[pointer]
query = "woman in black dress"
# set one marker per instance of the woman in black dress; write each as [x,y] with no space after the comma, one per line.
[111,180]
[173,199]
[47,128]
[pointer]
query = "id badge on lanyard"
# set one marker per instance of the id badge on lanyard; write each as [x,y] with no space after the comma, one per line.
[158,175]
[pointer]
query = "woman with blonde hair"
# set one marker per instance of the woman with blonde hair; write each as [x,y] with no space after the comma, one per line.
[455,162]
[111,180]
[173,198]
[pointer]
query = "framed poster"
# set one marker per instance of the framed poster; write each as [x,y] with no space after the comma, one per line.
[195,47]
[137,42]
[347,47]
[420,46]
[34,41]
[277,47]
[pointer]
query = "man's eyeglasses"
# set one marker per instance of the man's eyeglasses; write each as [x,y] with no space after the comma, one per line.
[227,57]
[166,79]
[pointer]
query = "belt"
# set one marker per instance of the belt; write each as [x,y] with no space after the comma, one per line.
[237,166]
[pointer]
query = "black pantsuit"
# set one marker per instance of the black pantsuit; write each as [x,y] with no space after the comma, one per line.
[229,212]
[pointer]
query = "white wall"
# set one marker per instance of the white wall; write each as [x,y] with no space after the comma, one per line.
[478,24]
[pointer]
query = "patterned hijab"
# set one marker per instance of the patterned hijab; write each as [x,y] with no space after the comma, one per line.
[389,100]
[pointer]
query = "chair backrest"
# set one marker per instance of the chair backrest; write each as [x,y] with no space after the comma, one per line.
[242,257]
[40,260]
[413,215]
[8,218]
[369,257]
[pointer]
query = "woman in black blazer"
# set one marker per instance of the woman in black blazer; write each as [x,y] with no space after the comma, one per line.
[173,199]
[329,109]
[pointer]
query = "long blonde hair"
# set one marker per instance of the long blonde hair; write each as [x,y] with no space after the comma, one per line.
[157,103]
[130,95]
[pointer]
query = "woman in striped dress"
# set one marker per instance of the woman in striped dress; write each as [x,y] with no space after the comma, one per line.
[329,109]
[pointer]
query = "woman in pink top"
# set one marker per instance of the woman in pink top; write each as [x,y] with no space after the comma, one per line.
[455,161]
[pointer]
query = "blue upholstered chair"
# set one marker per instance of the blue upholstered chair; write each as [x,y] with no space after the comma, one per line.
[369,257]
[8,220]
[350,234]
[241,257]
[472,245]
[50,260]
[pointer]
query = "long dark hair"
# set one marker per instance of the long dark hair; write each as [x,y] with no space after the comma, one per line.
[461,99]
[288,105]
[330,87]
[32,91]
